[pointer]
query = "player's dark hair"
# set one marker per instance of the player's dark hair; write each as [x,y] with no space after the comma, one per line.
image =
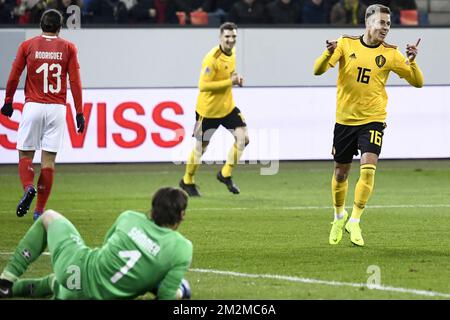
[227,26]
[51,21]
[167,206]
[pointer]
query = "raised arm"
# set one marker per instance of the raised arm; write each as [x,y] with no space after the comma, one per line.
[415,76]
[408,68]
[322,63]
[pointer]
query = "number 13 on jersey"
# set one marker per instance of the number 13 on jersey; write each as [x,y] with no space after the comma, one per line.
[45,68]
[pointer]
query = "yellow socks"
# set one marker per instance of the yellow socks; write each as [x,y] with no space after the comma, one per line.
[233,158]
[363,189]
[339,193]
[191,167]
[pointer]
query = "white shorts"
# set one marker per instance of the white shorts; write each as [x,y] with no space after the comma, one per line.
[42,127]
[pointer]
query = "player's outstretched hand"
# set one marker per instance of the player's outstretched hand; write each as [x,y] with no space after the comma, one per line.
[7,110]
[331,45]
[184,291]
[80,122]
[411,50]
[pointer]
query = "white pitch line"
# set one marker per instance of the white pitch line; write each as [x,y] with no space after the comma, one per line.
[324,282]
[45,253]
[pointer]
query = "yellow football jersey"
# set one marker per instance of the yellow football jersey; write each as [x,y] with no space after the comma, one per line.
[363,72]
[215,99]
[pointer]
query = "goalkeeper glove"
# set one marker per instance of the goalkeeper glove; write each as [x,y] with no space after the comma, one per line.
[184,291]
[80,123]
[7,110]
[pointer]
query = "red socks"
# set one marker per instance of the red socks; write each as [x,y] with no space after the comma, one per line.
[26,172]
[45,182]
[44,187]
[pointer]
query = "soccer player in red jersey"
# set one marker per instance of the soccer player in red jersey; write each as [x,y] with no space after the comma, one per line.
[48,59]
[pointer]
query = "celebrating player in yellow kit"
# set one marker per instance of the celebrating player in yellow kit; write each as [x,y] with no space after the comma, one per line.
[364,66]
[215,107]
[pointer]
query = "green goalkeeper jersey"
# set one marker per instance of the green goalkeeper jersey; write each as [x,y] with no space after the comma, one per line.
[136,257]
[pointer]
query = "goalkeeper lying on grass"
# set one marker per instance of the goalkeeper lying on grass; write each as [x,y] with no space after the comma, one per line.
[141,253]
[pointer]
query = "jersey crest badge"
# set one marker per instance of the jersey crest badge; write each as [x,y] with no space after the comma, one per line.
[380,61]
[207,71]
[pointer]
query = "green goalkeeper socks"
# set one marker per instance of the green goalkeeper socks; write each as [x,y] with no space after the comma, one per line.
[29,249]
[34,288]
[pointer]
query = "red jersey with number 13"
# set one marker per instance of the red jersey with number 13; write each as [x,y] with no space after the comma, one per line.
[48,60]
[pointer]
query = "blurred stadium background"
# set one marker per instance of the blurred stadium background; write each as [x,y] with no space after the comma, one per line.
[139,77]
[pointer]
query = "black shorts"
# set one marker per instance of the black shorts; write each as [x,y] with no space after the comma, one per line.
[205,127]
[348,139]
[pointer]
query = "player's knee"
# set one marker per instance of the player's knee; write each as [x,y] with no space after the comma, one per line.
[242,142]
[48,216]
[26,154]
[341,176]
[341,172]
[48,159]
[240,145]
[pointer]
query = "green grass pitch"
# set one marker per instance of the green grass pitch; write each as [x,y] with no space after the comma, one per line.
[271,241]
